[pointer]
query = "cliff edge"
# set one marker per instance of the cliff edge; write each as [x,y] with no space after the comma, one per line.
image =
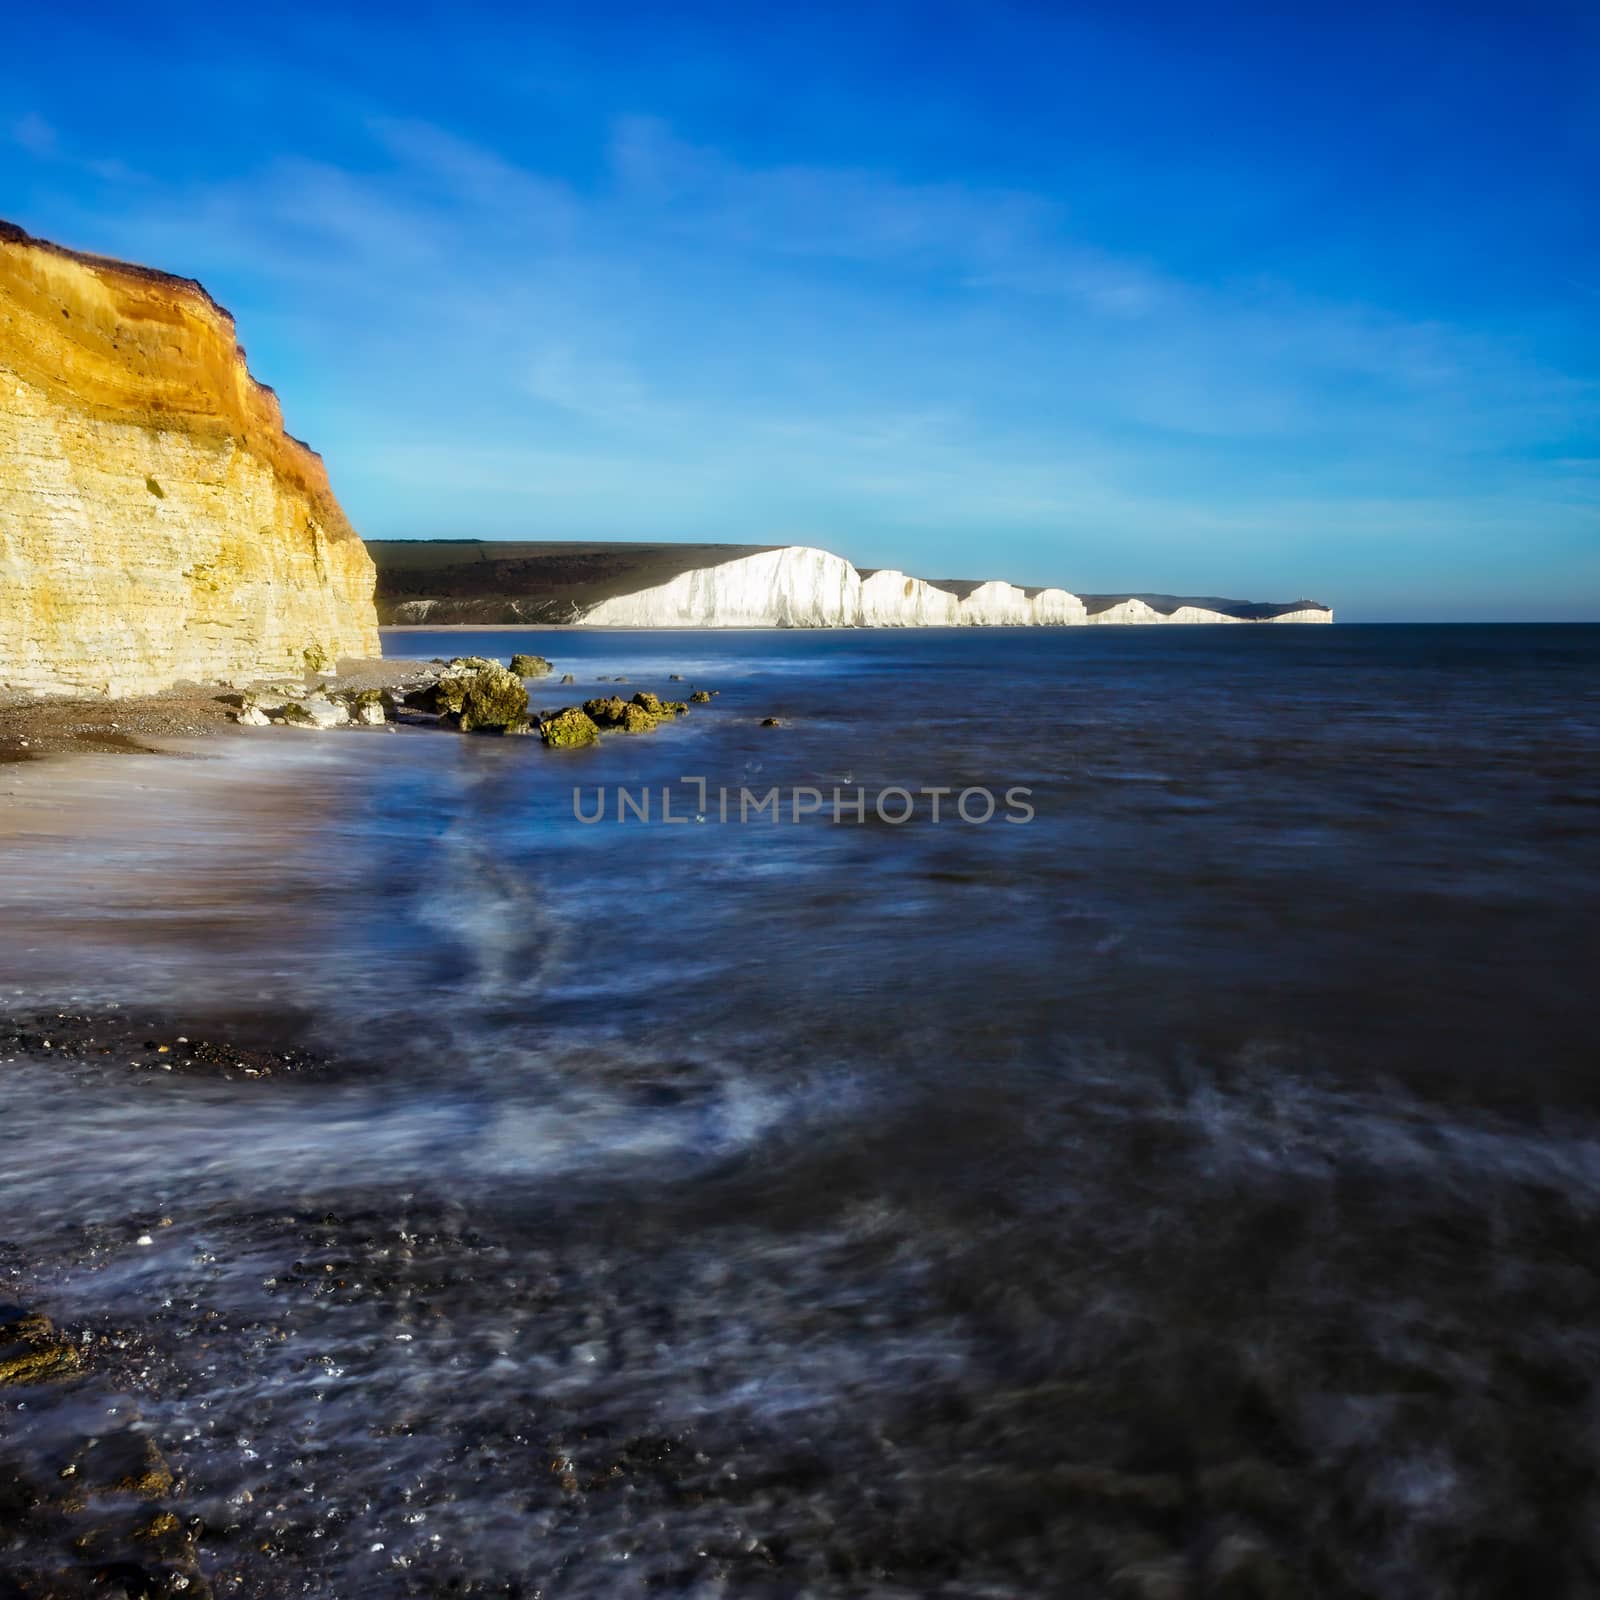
[156,522]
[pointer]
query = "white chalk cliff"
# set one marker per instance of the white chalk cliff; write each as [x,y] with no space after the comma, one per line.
[790,587]
[797,586]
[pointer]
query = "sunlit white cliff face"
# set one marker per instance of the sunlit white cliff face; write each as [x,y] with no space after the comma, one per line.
[797,586]
[800,587]
[1197,614]
[1057,608]
[890,599]
[455,582]
[996,604]
[1128,611]
[793,587]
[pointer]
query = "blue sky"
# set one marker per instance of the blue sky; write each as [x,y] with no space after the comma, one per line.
[1187,299]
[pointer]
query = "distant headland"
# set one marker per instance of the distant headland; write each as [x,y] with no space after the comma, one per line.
[454,582]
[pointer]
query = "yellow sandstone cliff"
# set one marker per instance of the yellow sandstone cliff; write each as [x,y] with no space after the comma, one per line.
[156,522]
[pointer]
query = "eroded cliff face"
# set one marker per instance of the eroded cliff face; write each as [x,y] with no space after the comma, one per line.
[156,522]
[798,586]
[793,586]
[891,599]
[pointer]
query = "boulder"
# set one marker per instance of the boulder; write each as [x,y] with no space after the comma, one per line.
[607,711]
[657,707]
[251,716]
[447,693]
[770,722]
[701,697]
[569,727]
[526,666]
[567,677]
[367,708]
[492,698]
[316,711]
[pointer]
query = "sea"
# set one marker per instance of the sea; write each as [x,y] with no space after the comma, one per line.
[1171,1169]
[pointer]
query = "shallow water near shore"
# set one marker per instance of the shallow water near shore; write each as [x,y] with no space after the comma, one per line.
[1188,1191]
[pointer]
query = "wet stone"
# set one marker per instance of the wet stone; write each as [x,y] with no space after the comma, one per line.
[32,1351]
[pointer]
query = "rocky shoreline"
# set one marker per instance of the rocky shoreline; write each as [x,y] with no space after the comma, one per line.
[471,694]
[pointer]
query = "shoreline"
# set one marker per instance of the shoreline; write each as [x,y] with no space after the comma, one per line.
[36,726]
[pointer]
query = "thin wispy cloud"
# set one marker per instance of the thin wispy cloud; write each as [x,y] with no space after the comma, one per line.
[35,135]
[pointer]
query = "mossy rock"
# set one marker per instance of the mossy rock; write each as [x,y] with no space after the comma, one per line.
[608,710]
[569,728]
[450,695]
[635,719]
[493,698]
[657,707]
[447,694]
[526,666]
[701,697]
[368,707]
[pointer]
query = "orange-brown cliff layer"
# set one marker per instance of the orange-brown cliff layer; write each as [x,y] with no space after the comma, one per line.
[132,344]
[156,521]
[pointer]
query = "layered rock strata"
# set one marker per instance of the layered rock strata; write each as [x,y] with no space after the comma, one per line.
[157,524]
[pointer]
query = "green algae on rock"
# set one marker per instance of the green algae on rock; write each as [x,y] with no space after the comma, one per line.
[701,697]
[493,698]
[607,710]
[526,666]
[448,692]
[477,693]
[657,707]
[368,707]
[568,728]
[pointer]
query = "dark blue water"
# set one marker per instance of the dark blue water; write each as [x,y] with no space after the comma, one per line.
[1188,1190]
